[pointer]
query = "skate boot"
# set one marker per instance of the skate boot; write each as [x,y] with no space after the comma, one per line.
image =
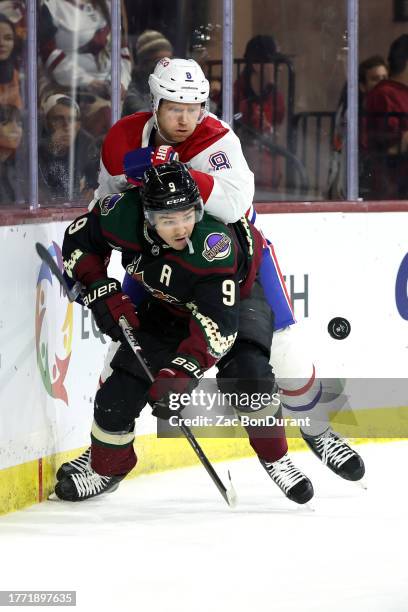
[295,485]
[76,466]
[86,484]
[336,454]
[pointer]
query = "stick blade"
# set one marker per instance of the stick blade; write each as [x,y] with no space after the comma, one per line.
[232,496]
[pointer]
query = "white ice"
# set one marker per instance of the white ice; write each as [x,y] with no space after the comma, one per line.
[168,542]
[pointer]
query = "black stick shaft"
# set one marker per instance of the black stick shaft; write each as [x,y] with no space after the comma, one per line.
[134,345]
[44,255]
[203,458]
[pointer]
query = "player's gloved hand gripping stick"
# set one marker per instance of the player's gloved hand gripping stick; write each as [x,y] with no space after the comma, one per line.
[228,494]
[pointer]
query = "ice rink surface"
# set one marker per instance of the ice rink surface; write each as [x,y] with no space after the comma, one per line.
[168,542]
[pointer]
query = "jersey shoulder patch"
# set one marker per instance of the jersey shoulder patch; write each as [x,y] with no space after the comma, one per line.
[108,202]
[121,217]
[213,244]
[217,246]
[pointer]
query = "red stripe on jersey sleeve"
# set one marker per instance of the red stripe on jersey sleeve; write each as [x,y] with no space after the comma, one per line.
[123,137]
[57,61]
[206,134]
[205,183]
[90,269]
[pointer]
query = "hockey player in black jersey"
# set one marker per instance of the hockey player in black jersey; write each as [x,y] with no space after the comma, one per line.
[204,307]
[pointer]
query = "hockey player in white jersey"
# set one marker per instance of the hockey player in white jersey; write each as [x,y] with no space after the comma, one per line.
[180,126]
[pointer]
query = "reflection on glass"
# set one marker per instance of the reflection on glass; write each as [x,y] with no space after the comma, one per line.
[75,63]
[161,29]
[68,157]
[384,128]
[371,70]
[289,71]
[12,172]
[150,47]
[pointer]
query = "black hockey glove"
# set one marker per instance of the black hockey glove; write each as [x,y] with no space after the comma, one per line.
[182,375]
[108,303]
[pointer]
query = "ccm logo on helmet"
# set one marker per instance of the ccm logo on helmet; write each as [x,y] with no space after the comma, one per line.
[176,200]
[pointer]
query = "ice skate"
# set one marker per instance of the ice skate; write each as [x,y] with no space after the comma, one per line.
[84,485]
[76,466]
[336,454]
[294,484]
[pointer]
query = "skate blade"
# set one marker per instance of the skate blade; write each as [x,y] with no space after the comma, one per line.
[309,507]
[53,497]
[362,484]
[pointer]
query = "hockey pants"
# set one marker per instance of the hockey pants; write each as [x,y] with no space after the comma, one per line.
[123,393]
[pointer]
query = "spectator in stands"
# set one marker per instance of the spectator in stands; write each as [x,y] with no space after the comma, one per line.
[15,10]
[9,75]
[151,46]
[202,37]
[12,175]
[255,93]
[261,107]
[370,72]
[387,137]
[74,39]
[68,157]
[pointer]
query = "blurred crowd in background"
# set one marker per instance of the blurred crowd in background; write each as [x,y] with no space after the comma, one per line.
[294,155]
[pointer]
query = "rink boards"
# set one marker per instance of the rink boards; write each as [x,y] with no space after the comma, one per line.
[353,265]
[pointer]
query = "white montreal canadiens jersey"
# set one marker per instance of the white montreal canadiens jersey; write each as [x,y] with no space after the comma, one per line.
[213,153]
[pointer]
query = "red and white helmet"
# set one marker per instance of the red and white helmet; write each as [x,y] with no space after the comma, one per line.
[178,80]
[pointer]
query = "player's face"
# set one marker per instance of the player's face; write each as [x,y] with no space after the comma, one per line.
[175,227]
[177,121]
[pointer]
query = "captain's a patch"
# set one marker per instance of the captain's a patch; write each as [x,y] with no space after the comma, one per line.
[217,246]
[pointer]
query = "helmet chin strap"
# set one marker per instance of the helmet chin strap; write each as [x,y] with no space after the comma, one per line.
[190,246]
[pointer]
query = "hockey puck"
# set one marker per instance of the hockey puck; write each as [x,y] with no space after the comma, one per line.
[339,328]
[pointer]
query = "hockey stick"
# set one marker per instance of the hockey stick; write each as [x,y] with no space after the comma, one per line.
[228,494]
[44,255]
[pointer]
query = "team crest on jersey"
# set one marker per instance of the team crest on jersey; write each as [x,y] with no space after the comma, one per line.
[217,246]
[219,161]
[109,202]
[157,293]
[132,268]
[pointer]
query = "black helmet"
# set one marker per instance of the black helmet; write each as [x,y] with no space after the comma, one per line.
[170,188]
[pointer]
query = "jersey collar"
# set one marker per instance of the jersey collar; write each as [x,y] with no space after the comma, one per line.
[156,244]
[147,132]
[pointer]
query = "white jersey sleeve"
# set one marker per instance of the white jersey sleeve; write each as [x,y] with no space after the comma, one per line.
[108,184]
[233,188]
